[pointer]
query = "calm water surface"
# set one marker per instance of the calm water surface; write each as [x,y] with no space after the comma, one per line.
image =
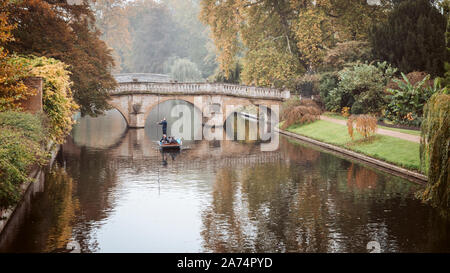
[111,190]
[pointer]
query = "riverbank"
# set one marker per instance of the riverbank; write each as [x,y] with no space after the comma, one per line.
[24,149]
[390,153]
[36,177]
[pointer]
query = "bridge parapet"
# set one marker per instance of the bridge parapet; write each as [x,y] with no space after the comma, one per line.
[164,88]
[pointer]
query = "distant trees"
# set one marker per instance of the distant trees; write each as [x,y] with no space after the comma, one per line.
[67,33]
[184,70]
[147,35]
[413,37]
[111,17]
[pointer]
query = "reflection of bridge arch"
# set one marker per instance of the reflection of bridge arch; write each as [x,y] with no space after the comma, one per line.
[114,145]
[134,145]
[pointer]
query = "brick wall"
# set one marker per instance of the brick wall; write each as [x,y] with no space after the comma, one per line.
[33,103]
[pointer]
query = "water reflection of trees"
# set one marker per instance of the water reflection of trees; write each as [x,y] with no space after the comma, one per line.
[95,174]
[63,206]
[51,216]
[315,203]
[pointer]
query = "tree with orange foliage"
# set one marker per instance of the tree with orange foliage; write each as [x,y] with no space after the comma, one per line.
[67,33]
[12,89]
[365,125]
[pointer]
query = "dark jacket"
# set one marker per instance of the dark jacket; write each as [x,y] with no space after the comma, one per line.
[164,125]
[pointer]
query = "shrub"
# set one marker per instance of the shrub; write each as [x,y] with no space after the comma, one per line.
[413,78]
[297,111]
[31,125]
[57,98]
[345,111]
[364,84]
[406,102]
[328,82]
[435,151]
[365,125]
[20,149]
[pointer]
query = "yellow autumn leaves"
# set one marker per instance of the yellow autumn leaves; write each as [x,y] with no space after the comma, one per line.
[279,40]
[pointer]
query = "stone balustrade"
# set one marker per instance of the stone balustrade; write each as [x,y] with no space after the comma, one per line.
[171,88]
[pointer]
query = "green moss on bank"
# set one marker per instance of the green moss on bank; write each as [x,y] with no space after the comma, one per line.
[22,140]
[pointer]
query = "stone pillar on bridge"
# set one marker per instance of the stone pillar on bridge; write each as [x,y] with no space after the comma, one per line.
[137,120]
[136,117]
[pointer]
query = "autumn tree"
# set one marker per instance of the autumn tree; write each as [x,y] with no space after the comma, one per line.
[12,89]
[66,32]
[279,39]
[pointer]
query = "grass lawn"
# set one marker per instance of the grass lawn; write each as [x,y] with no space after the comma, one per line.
[390,149]
[405,131]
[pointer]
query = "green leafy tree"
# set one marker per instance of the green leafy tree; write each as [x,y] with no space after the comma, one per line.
[113,22]
[435,152]
[234,75]
[346,54]
[361,87]
[413,38]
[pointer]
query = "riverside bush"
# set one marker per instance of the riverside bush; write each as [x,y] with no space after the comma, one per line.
[22,138]
[57,99]
[407,99]
[296,111]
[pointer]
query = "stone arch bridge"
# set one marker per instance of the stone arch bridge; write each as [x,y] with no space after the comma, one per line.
[136,96]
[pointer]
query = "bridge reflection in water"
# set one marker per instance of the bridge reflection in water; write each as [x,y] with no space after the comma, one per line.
[110,191]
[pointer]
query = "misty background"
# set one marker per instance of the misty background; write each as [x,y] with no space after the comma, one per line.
[150,36]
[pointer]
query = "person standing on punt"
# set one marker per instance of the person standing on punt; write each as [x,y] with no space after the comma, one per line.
[163,122]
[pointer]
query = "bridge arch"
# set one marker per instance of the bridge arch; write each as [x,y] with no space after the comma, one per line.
[161,100]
